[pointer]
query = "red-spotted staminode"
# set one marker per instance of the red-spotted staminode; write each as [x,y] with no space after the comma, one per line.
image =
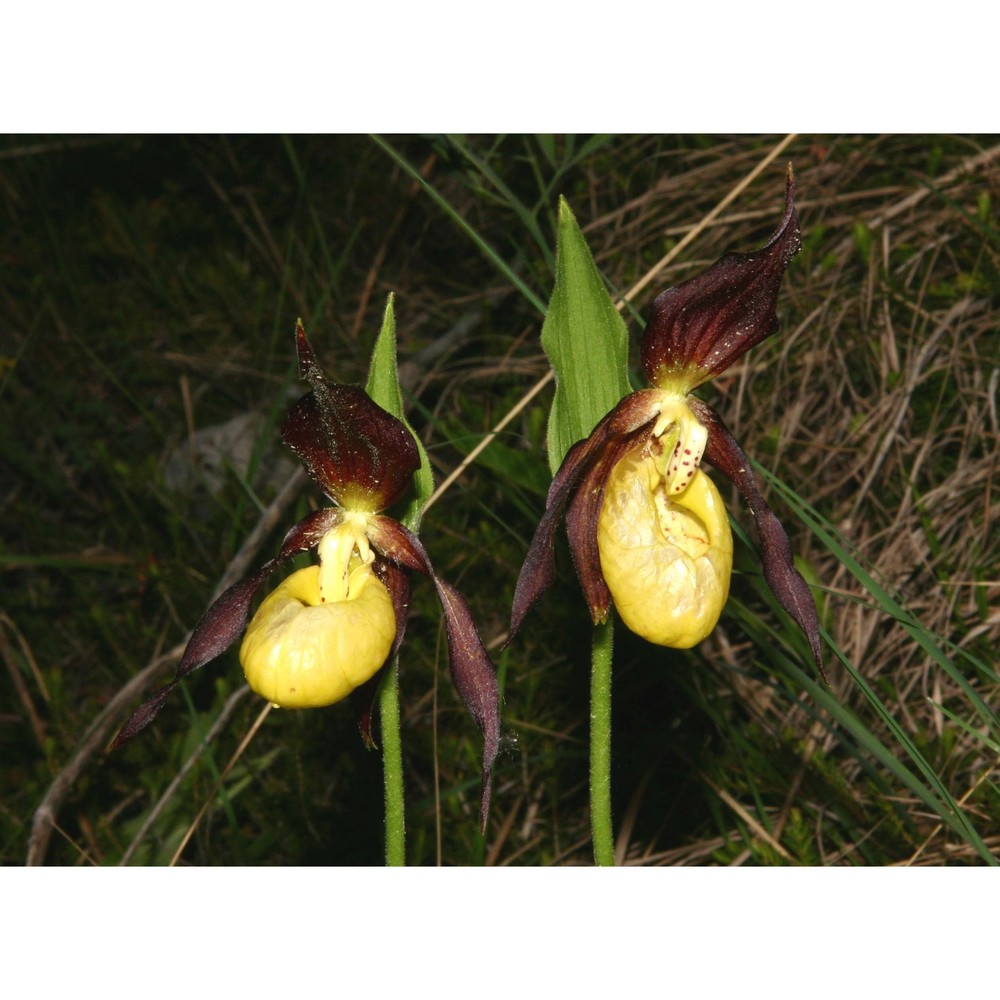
[647,527]
[326,631]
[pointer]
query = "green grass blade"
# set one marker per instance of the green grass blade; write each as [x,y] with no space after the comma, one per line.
[525,215]
[491,254]
[931,791]
[828,535]
[965,727]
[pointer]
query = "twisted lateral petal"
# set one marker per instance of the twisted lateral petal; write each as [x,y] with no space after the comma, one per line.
[785,581]
[397,543]
[220,626]
[700,327]
[301,653]
[396,580]
[635,411]
[582,517]
[142,716]
[361,456]
[224,621]
[475,681]
[471,669]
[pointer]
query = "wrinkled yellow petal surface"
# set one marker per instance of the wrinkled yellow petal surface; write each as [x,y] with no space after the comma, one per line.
[666,561]
[299,652]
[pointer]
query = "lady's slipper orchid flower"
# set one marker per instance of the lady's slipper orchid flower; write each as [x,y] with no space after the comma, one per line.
[647,527]
[326,631]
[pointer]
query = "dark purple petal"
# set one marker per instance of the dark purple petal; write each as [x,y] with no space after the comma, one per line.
[582,517]
[142,716]
[226,619]
[360,455]
[399,544]
[782,577]
[309,532]
[221,625]
[471,669]
[700,327]
[474,679]
[363,702]
[539,569]
[396,580]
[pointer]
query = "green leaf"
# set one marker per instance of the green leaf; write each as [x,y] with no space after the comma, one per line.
[586,341]
[383,387]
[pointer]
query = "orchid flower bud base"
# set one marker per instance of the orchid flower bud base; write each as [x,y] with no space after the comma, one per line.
[666,556]
[302,652]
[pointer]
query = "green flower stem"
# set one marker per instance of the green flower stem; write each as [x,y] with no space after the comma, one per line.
[392,767]
[600,745]
[383,387]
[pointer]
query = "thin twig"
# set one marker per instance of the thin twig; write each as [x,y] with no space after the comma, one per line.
[95,739]
[756,827]
[23,694]
[227,710]
[490,437]
[914,199]
[916,374]
[244,743]
[101,729]
[388,237]
[631,814]
[706,220]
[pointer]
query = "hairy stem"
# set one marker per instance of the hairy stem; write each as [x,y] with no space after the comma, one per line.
[392,767]
[600,745]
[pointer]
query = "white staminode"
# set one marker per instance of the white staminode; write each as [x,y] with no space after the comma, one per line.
[683,440]
[336,550]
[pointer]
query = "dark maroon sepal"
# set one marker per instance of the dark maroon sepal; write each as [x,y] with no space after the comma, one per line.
[361,456]
[785,581]
[226,619]
[539,569]
[223,623]
[471,669]
[700,327]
